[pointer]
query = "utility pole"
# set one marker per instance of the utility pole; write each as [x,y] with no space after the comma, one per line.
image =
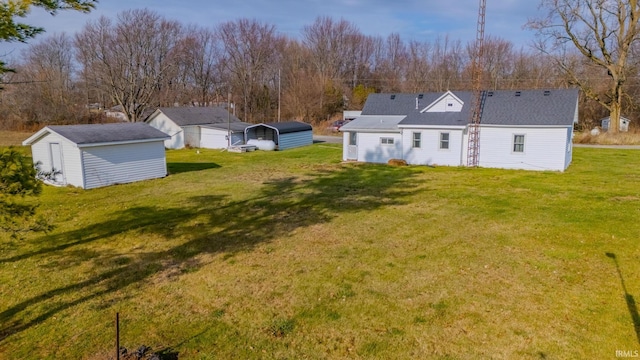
[228,120]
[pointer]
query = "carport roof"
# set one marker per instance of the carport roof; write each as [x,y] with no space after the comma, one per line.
[286,126]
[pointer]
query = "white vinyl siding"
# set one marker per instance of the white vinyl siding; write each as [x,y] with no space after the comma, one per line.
[447,103]
[217,138]
[369,148]
[569,145]
[213,139]
[430,153]
[71,162]
[192,136]
[545,148]
[166,125]
[118,164]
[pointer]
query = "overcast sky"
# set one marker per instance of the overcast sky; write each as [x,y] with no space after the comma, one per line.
[412,19]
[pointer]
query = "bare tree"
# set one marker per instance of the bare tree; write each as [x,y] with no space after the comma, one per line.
[603,32]
[300,83]
[199,56]
[47,91]
[251,60]
[333,46]
[418,67]
[130,60]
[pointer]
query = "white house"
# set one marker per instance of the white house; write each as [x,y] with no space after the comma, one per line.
[529,130]
[91,156]
[200,127]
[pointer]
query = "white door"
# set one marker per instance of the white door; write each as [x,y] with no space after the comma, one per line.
[56,162]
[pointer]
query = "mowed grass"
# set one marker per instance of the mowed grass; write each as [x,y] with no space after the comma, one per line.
[290,255]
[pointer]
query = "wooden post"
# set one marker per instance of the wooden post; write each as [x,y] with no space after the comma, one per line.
[117,336]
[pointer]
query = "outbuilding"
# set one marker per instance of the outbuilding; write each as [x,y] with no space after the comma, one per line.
[92,156]
[285,135]
[623,127]
[198,127]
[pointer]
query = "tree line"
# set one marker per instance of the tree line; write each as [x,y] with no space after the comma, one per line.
[140,60]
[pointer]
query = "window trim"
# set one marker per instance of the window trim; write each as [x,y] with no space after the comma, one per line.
[418,140]
[441,141]
[387,140]
[521,145]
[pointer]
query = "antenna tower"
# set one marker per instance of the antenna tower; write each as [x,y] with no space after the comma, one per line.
[473,150]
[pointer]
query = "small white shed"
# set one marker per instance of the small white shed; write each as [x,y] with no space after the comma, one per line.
[624,123]
[91,156]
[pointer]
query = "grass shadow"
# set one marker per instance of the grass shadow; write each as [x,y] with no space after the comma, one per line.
[281,206]
[631,303]
[182,167]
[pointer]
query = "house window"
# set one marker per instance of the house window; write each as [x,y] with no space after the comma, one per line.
[386,141]
[518,143]
[353,138]
[444,141]
[417,139]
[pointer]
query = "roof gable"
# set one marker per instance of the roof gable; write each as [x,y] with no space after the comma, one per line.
[448,102]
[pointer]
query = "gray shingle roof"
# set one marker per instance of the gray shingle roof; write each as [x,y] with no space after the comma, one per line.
[185,116]
[106,133]
[502,107]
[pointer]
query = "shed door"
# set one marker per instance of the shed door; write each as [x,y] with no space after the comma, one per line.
[56,162]
[352,148]
[213,139]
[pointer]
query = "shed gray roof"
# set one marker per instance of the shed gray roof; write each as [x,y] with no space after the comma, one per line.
[185,116]
[285,127]
[234,126]
[501,107]
[103,133]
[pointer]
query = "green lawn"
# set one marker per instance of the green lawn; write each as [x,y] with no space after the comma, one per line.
[290,255]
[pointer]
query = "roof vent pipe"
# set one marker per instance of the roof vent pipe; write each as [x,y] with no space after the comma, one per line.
[416,103]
